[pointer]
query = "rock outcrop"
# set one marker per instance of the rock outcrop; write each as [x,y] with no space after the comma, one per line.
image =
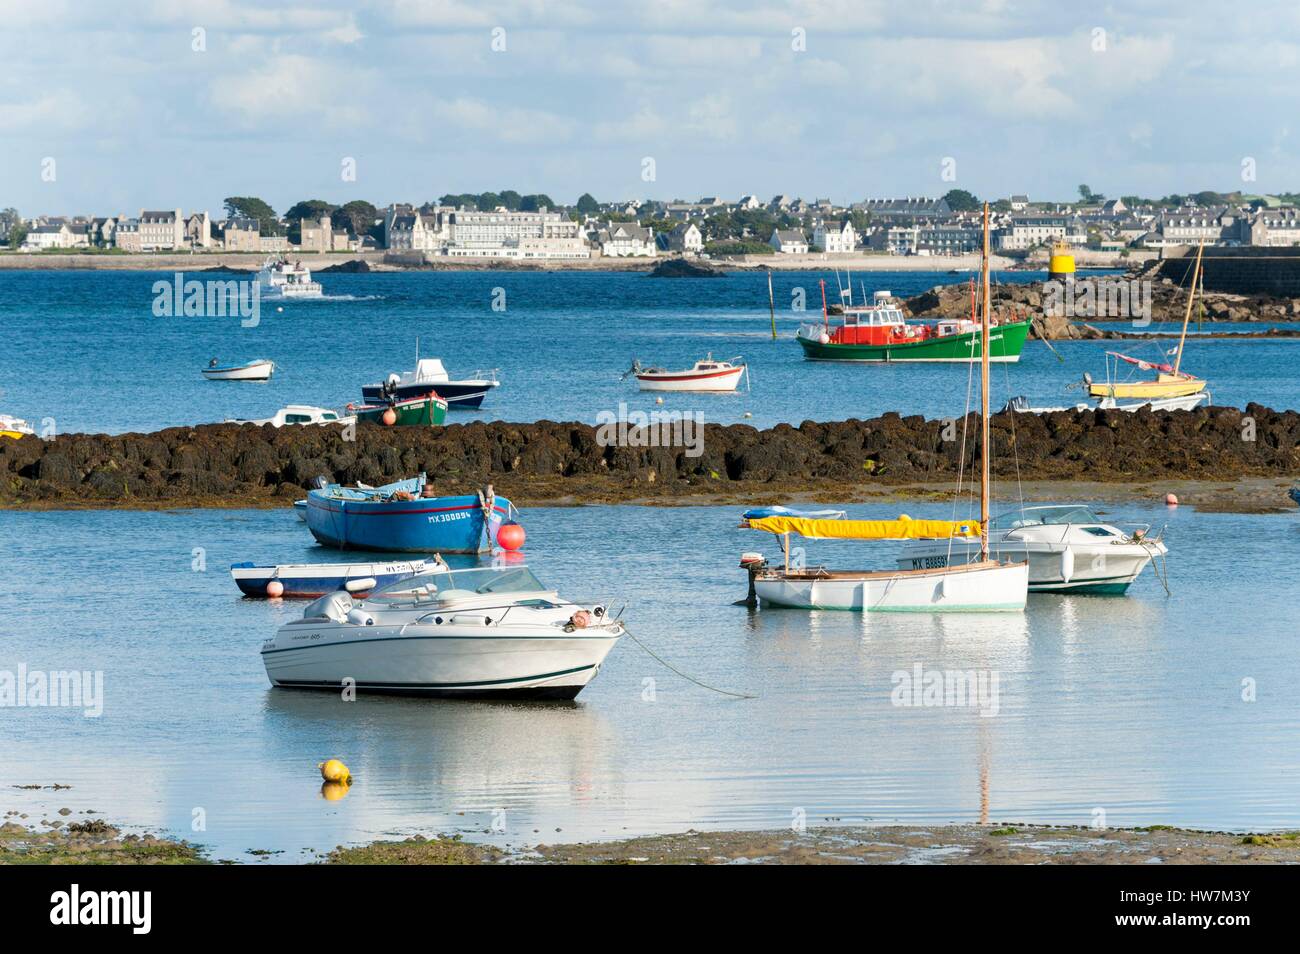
[247,465]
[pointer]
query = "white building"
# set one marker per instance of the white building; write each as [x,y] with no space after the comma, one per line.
[789,241]
[505,234]
[685,238]
[48,236]
[626,240]
[1030,231]
[835,238]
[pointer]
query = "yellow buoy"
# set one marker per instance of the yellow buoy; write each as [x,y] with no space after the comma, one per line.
[333,770]
[1061,265]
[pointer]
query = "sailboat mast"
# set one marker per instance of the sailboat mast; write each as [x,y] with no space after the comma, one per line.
[771,302]
[1191,297]
[984,398]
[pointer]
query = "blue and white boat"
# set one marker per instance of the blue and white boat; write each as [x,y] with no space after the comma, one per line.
[429,375]
[317,579]
[396,519]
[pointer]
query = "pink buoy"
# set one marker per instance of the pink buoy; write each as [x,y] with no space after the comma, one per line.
[510,536]
[275,588]
[390,417]
[1171,500]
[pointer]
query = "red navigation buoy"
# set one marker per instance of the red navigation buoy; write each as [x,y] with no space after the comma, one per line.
[390,417]
[510,536]
[274,589]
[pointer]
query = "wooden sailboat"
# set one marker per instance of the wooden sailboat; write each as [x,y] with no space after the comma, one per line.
[981,586]
[1171,381]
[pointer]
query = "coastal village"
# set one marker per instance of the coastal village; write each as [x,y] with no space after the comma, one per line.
[507,226]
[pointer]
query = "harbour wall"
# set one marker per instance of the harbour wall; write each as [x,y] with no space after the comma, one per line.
[1253,270]
[248,465]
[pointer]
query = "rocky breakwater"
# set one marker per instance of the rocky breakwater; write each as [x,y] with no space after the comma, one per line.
[246,465]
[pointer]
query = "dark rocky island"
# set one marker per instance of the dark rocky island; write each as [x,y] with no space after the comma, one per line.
[246,465]
[685,268]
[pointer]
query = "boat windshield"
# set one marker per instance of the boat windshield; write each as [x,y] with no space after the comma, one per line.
[1043,516]
[512,579]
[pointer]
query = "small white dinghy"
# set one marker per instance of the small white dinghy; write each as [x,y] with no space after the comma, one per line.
[297,414]
[706,375]
[259,370]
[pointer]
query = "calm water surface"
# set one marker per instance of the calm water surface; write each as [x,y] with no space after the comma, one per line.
[1132,706]
[84,348]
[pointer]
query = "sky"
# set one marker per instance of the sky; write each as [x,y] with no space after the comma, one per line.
[110,107]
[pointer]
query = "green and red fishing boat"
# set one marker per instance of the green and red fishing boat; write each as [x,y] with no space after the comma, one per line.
[428,410]
[880,332]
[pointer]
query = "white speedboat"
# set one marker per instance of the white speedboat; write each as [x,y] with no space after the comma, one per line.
[281,280]
[705,375]
[430,375]
[297,414]
[259,370]
[484,632]
[1069,549]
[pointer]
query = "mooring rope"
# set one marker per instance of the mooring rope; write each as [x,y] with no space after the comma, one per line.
[663,662]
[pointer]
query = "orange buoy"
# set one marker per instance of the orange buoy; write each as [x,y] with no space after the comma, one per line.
[1171,500]
[510,536]
[390,417]
[275,589]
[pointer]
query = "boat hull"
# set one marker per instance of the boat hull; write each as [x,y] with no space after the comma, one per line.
[258,371]
[459,395]
[424,525]
[689,381]
[992,588]
[418,412]
[446,661]
[1105,569]
[308,579]
[1006,342]
[1165,386]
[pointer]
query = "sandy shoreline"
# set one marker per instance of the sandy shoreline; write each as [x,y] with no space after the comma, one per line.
[94,841]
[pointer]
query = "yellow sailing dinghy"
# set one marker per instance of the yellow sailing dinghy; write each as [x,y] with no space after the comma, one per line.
[981,586]
[1170,380]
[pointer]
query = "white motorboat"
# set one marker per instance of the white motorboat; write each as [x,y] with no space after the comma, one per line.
[493,632]
[281,280]
[259,370]
[982,585]
[430,375]
[1069,549]
[297,414]
[705,375]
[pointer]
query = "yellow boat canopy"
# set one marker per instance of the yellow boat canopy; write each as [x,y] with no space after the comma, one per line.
[904,528]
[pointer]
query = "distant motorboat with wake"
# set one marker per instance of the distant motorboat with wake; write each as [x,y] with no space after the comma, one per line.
[485,632]
[259,370]
[705,375]
[282,280]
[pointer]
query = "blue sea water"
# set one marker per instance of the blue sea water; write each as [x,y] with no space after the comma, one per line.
[1147,709]
[85,349]
[1125,710]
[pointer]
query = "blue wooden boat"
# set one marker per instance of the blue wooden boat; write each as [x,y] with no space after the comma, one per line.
[317,579]
[1294,493]
[396,519]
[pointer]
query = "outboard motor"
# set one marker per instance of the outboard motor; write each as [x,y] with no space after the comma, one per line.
[319,482]
[754,564]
